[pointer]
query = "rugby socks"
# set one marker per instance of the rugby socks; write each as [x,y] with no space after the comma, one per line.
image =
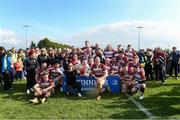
[142,91]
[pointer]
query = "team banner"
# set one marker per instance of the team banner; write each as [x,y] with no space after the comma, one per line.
[88,83]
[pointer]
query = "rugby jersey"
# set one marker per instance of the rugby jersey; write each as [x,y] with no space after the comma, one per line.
[98,70]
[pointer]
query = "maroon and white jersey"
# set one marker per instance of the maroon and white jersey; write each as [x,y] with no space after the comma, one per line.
[159,58]
[130,55]
[137,64]
[39,72]
[126,74]
[54,73]
[115,67]
[45,84]
[87,54]
[98,70]
[139,76]
[121,60]
[108,68]
[74,61]
[116,53]
[108,54]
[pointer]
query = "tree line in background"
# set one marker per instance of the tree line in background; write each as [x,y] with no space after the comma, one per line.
[46,43]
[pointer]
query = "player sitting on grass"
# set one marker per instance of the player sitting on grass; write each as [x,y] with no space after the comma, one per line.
[139,77]
[39,72]
[127,79]
[43,89]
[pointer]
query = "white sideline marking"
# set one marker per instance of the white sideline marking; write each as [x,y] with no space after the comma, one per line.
[142,108]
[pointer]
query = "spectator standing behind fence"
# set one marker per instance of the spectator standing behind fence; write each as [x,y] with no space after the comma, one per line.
[175,59]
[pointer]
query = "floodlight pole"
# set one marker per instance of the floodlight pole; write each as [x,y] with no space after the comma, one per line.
[26,26]
[139,36]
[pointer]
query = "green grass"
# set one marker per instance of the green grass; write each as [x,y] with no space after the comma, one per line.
[162,101]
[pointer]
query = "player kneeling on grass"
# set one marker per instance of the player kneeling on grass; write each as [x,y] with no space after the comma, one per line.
[43,89]
[56,74]
[139,77]
[100,73]
[127,79]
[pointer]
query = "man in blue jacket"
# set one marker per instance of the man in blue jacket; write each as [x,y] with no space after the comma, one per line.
[5,69]
[175,56]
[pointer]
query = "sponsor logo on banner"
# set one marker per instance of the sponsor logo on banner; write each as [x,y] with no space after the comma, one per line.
[89,83]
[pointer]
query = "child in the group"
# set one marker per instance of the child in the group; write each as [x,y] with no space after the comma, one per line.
[43,89]
[19,68]
[139,76]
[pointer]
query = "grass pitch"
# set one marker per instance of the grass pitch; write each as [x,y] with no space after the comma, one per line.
[161,100]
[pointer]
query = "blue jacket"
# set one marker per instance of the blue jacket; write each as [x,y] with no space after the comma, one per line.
[3,64]
[9,63]
[175,57]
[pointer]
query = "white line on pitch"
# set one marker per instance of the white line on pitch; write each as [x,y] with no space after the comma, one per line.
[142,108]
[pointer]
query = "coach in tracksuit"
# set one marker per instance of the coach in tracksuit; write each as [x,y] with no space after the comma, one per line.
[174,62]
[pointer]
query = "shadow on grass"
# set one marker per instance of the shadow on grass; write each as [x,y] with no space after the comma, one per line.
[129,110]
[136,114]
[18,93]
[164,104]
